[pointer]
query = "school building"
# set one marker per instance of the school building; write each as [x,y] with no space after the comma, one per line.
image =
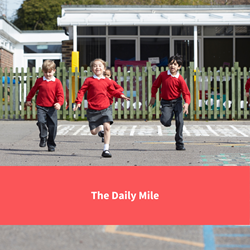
[22,49]
[211,36]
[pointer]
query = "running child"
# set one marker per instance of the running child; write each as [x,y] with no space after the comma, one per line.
[173,85]
[247,87]
[108,75]
[99,111]
[50,98]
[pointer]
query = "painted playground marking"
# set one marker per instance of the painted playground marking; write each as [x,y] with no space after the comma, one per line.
[158,130]
[226,159]
[113,229]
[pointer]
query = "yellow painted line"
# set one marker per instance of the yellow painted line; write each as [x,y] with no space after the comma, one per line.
[112,229]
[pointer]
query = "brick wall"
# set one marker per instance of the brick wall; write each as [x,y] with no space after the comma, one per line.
[6,59]
[67,48]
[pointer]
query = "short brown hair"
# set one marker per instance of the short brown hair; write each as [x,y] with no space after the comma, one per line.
[98,59]
[48,65]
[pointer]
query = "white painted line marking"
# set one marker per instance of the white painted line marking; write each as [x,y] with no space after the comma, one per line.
[210,129]
[186,131]
[237,130]
[78,130]
[132,131]
[159,130]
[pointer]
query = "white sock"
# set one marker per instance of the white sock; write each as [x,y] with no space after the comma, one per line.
[106,147]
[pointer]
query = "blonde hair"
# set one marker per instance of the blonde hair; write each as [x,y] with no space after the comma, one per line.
[48,65]
[98,59]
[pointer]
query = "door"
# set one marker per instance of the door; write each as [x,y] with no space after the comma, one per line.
[185,47]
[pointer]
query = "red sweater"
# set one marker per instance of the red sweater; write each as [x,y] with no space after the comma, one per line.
[98,93]
[247,86]
[172,87]
[49,92]
[117,87]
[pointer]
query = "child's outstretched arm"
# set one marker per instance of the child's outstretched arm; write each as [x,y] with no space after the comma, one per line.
[124,97]
[57,106]
[152,101]
[77,106]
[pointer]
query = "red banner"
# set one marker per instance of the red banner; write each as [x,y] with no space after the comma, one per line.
[124,195]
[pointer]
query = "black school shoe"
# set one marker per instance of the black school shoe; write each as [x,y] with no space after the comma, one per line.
[51,149]
[101,134]
[106,153]
[180,148]
[43,142]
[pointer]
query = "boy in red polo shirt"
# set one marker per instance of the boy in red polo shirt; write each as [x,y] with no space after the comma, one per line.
[173,85]
[50,98]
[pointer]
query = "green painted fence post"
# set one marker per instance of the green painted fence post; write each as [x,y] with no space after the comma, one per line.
[137,75]
[215,93]
[149,72]
[34,112]
[237,87]
[131,88]
[209,76]
[125,87]
[11,94]
[119,99]
[6,111]
[28,90]
[233,94]
[190,83]
[70,95]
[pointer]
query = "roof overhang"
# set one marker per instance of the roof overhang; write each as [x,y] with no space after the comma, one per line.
[153,15]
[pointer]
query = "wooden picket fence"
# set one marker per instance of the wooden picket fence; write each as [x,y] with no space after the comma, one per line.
[215,94]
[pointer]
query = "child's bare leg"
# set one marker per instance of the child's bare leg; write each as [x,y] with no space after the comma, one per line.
[106,127]
[95,130]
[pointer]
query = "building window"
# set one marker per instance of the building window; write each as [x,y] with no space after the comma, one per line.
[123,30]
[122,50]
[155,47]
[31,64]
[242,53]
[242,30]
[218,30]
[91,31]
[218,51]
[42,49]
[89,49]
[185,30]
[154,30]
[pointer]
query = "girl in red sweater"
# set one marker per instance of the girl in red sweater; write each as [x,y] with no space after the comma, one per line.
[99,110]
[108,75]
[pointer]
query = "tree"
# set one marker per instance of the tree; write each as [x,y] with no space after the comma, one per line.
[38,15]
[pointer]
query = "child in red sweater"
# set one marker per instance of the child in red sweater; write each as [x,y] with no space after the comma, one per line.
[50,98]
[108,75]
[173,85]
[247,87]
[99,112]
